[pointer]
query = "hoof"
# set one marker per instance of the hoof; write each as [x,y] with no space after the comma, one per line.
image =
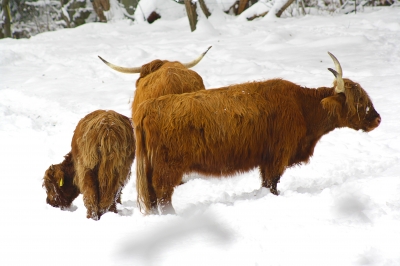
[93,215]
[167,210]
[274,191]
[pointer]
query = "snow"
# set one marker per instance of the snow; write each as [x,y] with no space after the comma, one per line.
[343,208]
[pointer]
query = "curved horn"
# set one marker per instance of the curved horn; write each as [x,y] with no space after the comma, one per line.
[338,74]
[127,70]
[196,61]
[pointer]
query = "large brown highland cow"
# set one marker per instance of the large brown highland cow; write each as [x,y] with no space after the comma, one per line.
[272,125]
[162,77]
[99,165]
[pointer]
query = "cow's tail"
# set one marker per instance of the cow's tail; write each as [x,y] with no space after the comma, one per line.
[116,146]
[143,171]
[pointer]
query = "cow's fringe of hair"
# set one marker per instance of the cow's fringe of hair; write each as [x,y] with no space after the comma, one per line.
[151,67]
[142,171]
[105,147]
[355,96]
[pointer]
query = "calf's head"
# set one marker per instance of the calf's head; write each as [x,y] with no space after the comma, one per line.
[58,182]
[350,103]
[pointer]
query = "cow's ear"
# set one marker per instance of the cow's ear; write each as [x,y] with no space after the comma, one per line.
[333,104]
[59,177]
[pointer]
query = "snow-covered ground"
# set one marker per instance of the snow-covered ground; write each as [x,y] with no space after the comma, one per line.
[343,208]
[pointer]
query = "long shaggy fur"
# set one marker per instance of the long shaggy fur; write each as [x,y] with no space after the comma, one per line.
[61,196]
[159,78]
[103,149]
[272,125]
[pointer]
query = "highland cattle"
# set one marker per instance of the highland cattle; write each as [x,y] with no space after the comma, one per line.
[162,77]
[272,125]
[98,166]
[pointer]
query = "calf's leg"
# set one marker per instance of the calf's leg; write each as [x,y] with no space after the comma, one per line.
[90,193]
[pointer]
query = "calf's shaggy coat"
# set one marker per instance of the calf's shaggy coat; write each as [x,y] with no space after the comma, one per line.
[98,166]
[272,125]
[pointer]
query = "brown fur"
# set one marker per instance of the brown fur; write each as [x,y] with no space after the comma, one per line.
[61,196]
[159,78]
[103,149]
[272,125]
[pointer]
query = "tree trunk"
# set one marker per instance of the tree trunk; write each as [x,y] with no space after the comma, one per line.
[204,8]
[288,3]
[303,7]
[99,6]
[65,17]
[191,13]
[257,16]
[242,6]
[7,18]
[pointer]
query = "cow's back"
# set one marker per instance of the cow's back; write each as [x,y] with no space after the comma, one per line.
[219,131]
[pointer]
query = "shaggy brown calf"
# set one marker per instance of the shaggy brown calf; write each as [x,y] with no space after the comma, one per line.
[272,125]
[162,77]
[99,165]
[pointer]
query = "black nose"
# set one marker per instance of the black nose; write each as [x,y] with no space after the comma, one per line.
[378,120]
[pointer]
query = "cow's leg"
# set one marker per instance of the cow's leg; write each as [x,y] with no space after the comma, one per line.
[111,195]
[270,177]
[164,201]
[108,199]
[90,194]
[164,184]
[113,207]
[273,185]
[152,192]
